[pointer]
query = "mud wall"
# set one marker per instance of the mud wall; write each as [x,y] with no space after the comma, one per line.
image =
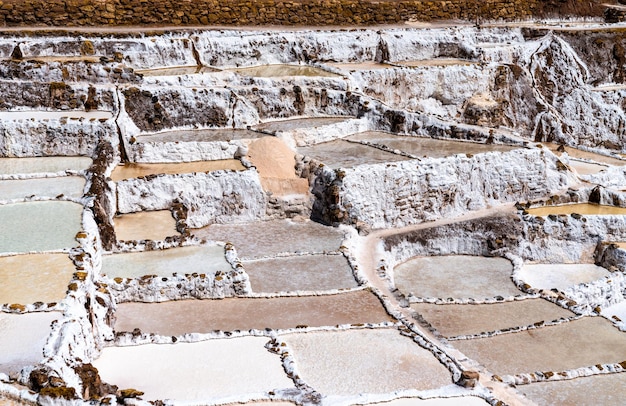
[290,12]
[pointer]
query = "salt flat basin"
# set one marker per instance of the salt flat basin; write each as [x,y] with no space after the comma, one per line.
[30,278]
[70,186]
[299,123]
[145,225]
[279,70]
[427,147]
[456,276]
[204,316]
[586,168]
[467,319]
[465,401]
[252,240]
[580,208]
[52,115]
[39,226]
[436,62]
[49,164]
[136,170]
[195,373]
[356,66]
[560,276]
[200,135]
[575,344]
[307,273]
[198,259]
[176,71]
[344,154]
[22,338]
[364,361]
[578,153]
[618,310]
[605,390]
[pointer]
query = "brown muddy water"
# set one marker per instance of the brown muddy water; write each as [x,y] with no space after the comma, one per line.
[580,208]
[145,225]
[136,170]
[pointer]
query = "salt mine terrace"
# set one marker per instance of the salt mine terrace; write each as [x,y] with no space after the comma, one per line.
[431,287]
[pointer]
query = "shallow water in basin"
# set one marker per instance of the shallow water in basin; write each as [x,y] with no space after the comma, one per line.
[299,123]
[186,260]
[270,71]
[70,186]
[467,319]
[427,147]
[580,208]
[51,164]
[204,135]
[39,226]
[436,62]
[364,361]
[456,276]
[465,401]
[605,390]
[205,316]
[268,238]
[579,343]
[343,154]
[51,115]
[22,338]
[145,225]
[586,168]
[175,71]
[135,170]
[578,153]
[31,278]
[306,272]
[356,66]
[195,373]
[560,276]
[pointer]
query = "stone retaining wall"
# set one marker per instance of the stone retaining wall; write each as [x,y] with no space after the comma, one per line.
[278,12]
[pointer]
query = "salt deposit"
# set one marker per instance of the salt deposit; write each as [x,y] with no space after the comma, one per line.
[283,70]
[148,225]
[560,276]
[52,164]
[68,186]
[343,154]
[134,170]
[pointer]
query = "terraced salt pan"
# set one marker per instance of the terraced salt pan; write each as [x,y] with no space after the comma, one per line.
[560,276]
[22,338]
[280,70]
[359,65]
[618,310]
[195,373]
[176,71]
[344,154]
[579,343]
[198,259]
[145,225]
[39,226]
[300,273]
[578,153]
[50,164]
[200,135]
[456,320]
[586,168]
[364,361]
[136,170]
[70,186]
[31,278]
[299,123]
[268,238]
[51,115]
[465,401]
[456,276]
[427,147]
[580,208]
[605,390]
[205,316]
[436,62]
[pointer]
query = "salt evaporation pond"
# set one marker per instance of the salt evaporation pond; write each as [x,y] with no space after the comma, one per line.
[280,70]
[268,238]
[176,71]
[22,338]
[344,154]
[359,66]
[50,164]
[162,263]
[578,153]
[136,170]
[39,226]
[427,147]
[30,278]
[201,135]
[575,344]
[465,401]
[299,123]
[52,115]
[617,310]
[560,276]
[204,316]
[456,276]
[436,62]
[69,186]
[468,319]
[145,225]
[586,168]
[196,373]
[605,390]
[364,361]
[300,273]
[579,208]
